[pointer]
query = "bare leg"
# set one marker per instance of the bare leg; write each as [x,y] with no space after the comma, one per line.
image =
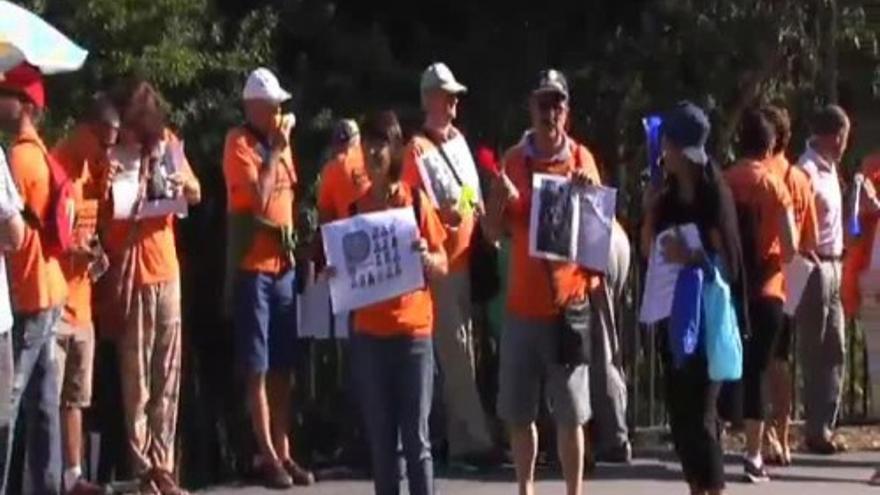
[754,437]
[71,429]
[570,444]
[259,407]
[780,376]
[278,390]
[524,441]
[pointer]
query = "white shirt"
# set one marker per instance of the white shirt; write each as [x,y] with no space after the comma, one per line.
[829,201]
[10,205]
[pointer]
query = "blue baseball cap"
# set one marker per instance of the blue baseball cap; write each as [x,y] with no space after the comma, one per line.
[688,127]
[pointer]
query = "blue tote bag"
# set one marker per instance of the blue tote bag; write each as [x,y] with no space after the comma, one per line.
[723,343]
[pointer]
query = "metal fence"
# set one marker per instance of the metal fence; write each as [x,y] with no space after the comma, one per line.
[642,364]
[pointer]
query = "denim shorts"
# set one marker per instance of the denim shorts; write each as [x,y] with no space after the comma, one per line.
[265,320]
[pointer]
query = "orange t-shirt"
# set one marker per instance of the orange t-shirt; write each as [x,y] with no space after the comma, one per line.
[858,249]
[529,293]
[458,239]
[802,199]
[410,314]
[753,185]
[242,160]
[344,179]
[37,282]
[154,241]
[85,161]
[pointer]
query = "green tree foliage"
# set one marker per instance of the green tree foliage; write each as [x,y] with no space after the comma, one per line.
[624,59]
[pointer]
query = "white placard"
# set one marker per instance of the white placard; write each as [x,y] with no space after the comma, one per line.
[597,209]
[661,276]
[440,183]
[373,256]
[313,310]
[124,188]
[341,324]
[555,218]
[797,274]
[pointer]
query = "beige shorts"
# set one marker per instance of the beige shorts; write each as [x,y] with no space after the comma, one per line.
[74,356]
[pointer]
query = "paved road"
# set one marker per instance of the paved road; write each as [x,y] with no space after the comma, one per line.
[843,475]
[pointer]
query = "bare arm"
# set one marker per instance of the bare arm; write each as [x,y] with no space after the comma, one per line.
[279,140]
[436,263]
[12,233]
[788,237]
[492,222]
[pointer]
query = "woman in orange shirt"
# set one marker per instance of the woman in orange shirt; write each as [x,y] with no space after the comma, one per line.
[144,309]
[393,356]
[766,226]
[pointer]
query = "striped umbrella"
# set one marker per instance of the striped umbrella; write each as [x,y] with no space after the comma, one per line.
[26,37]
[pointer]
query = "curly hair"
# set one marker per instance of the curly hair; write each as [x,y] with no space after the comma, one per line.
[141,108]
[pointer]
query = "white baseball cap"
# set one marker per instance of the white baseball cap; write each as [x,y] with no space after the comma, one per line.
[263,85]
[438,76]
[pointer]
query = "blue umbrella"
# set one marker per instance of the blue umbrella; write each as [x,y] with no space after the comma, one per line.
[25,37]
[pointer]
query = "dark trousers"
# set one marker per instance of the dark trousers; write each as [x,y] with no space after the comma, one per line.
[767,321]
[35,390]
[692,398]
[395,376]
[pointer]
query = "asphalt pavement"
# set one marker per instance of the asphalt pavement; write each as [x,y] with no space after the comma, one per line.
[655,475]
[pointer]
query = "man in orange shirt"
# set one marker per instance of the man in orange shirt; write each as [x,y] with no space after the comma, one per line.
[261,179]
[343,178]
[83,155]
[538,291]
[38,289]
[766,224]
[466,428]
[145,275]
[393,355]
[804,207]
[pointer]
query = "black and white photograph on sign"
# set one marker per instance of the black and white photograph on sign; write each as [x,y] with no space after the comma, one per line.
[555,218]
[441,184]
[373,256]
[597,205]
[161,198]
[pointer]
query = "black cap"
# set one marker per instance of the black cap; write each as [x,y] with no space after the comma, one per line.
[551,81]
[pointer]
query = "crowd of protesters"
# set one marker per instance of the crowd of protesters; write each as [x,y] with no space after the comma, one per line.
[752,219]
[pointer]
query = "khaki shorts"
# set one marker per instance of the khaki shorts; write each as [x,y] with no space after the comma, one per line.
[75,351]
[528,350]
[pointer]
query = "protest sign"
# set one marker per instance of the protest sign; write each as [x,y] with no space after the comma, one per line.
[554,221]
[373,256]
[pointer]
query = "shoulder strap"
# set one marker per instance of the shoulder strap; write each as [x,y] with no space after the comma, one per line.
[578,156]
[57,175]
[445,157]
[417,204]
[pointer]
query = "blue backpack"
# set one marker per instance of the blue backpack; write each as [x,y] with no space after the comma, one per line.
[684,322]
